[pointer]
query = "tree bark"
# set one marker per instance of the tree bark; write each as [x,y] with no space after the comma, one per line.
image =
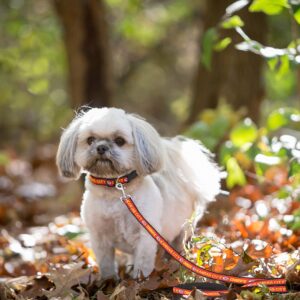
[87,47]
[234,76]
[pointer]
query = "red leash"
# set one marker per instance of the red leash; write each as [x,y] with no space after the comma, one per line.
[274,285]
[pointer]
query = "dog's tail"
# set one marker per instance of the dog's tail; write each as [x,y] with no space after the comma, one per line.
[201,173]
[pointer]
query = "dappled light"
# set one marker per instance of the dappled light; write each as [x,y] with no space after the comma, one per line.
[224,73]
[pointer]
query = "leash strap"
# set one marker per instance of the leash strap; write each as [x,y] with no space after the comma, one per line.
[275,285]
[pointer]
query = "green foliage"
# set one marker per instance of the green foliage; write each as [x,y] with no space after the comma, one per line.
[208,41]
[232,22]
[248,147]
[282,117]
[223,44]
[32,97]
[235,173]
[280,60]
[295,4]
[213,126]
[143,24]
[270,7]
[4,158]
[295,223]
[280,88]
[280,64]
[243,133]
[252,148]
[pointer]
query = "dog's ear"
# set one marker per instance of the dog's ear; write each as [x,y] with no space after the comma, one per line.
[65,158]
[148,146]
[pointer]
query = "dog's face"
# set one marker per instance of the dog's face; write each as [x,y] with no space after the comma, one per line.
[107,142]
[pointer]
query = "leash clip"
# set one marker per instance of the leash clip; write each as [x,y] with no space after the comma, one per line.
[119,186]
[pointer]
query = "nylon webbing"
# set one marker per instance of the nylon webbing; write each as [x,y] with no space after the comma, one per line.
[275,285]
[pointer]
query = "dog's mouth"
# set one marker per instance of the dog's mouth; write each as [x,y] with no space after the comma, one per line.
[101,166]
[103,160]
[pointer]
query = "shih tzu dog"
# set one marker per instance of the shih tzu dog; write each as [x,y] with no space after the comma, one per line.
[169,178]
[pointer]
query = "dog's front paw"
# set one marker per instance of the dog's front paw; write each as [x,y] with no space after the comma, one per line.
[114,277]
[140,271]
[108,273]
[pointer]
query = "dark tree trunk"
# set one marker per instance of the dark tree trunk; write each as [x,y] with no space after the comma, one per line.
[234,76]
[87,48]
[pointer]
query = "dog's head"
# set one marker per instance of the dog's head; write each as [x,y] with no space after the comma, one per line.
[109,142]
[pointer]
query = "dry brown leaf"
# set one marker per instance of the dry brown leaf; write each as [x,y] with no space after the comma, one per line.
[38,287]
[218,264]
[119,289]
[65,278]
[231,259]
[256,251]
[101,296]
[293,274]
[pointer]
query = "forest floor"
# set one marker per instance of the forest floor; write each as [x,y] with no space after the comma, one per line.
[45,254]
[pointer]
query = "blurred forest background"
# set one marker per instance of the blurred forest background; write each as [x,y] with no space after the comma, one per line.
[222,71]
[156,58]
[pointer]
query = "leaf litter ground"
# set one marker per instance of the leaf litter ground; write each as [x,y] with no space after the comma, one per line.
[245,234]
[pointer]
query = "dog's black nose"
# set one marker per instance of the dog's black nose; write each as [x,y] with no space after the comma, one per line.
[102,149]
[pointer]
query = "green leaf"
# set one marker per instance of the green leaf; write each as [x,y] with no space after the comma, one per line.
[243,133]
[227,150]
[297,15]
[197,130]
[38,86]
[269,7]
[283,117]
[284,192]
[73,235]
[294,224]
[4,158]
[203,254]
[232,22]
[201,131]
[235,173]
[223,44]
[219,127]
[273,63]
[284,66]
[208,41]
[200,239]
[294,167]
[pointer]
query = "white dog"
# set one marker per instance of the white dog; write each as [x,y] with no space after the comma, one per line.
[169,179]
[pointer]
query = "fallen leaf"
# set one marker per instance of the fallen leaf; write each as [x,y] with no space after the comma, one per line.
[259,249]
[65,278]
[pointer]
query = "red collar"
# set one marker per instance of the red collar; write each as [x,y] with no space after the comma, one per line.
[111,182]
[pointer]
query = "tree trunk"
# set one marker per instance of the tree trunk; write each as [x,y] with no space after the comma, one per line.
[87,48]
[234,76]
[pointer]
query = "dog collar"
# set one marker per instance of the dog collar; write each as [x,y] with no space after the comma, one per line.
[111,182]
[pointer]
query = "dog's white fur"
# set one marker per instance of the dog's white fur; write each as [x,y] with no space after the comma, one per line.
[175,178]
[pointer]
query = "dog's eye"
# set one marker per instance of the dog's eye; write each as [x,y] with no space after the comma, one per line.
[120,141]
[90,140]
